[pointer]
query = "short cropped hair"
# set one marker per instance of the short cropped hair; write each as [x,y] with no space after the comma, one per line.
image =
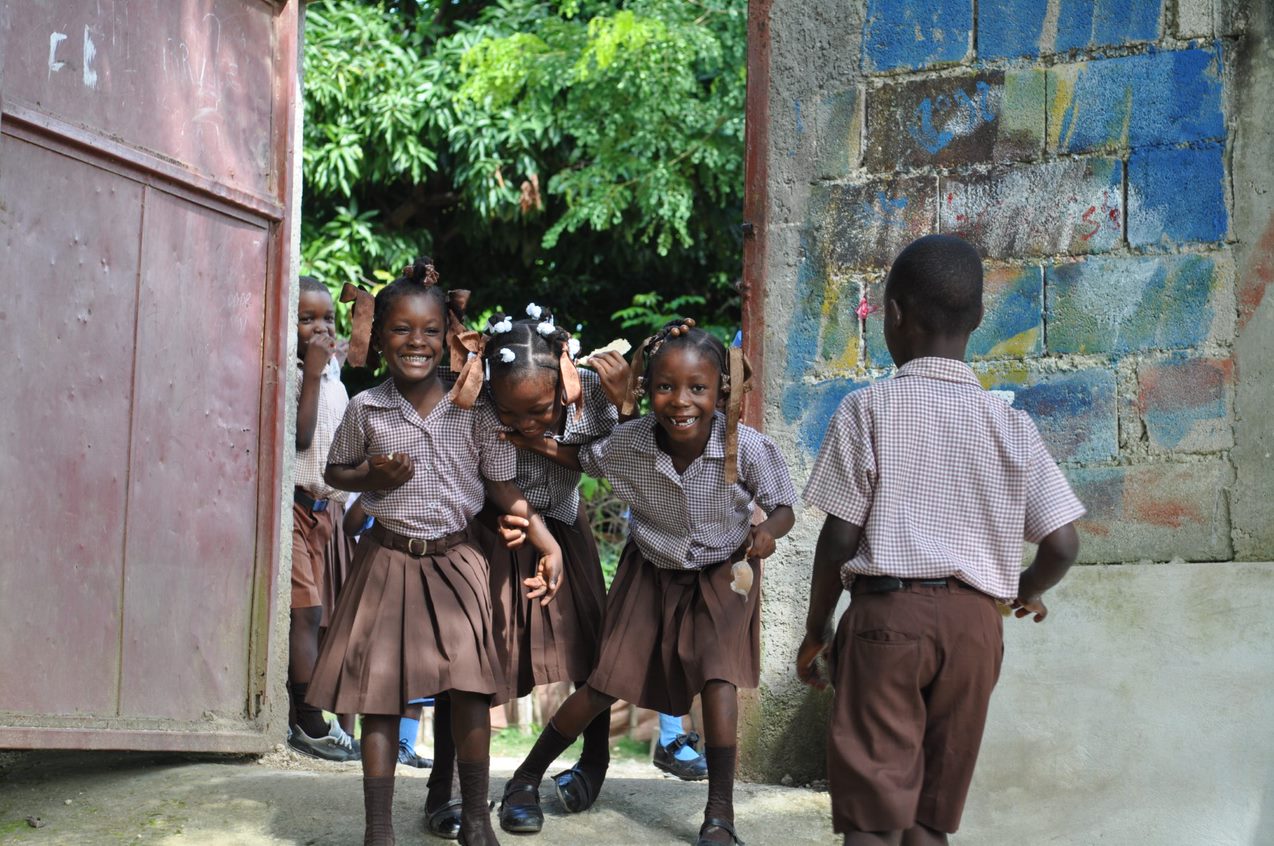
[310,285]
[937,280]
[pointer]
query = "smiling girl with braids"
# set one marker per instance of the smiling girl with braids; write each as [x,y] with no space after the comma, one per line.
[415,619]
[683,615]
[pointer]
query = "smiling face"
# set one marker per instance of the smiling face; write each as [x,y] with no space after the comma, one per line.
[411,338]
[527,401]
[315,316]
[684,392]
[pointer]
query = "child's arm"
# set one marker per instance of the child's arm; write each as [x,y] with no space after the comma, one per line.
[354,518]
[1057,552]
[763,535]
[566,455]
[317,354]
[548,577]
[837,543]
[377,473]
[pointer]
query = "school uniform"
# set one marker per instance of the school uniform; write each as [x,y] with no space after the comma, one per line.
[313,520]
[558,642]
[946,481]
[672,623]
[415,618]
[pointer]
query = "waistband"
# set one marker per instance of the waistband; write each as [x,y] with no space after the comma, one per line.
[302,498]
[417,547]
[890,584]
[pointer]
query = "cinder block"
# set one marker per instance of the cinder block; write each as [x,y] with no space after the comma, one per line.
[1075,412]
[1185,402]
[1008,28]
[811,407]
[1177,196]
[1137,303]
[994,116]
[1157,98]
[1068,206]
[916,33]
[1194,19]
[839,133]
[865,225]
[1013,326]
[1154,511]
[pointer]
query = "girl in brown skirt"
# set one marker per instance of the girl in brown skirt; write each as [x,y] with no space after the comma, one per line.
[682,617]
[414,619]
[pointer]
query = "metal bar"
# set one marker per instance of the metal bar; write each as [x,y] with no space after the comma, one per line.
[102,147]
[97,738]
[755,201]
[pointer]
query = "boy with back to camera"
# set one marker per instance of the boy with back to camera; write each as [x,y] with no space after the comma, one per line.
[929,484]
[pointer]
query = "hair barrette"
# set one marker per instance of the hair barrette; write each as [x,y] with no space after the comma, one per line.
[504,324]
[546,328]
[572,348]
[533,311]
[506,355]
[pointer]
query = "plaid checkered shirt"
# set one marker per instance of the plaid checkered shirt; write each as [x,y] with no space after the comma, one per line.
[332,400]
[547,485]
[451,450]
[690,520]
[944,479]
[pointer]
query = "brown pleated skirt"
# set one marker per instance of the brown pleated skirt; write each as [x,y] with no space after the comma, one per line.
[544,644]
[406,628]
[668,632]
[336,561]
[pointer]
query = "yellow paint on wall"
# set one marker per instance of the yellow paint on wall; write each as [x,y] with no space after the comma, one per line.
[1023,343]
[1061,94]
[1004,374]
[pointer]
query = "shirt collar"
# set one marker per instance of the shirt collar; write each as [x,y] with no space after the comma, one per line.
[934,367]
[715,448]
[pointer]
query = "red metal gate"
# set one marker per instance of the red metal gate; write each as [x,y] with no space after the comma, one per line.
[146,170]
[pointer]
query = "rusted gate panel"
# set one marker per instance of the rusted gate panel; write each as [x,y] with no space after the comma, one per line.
[145,176]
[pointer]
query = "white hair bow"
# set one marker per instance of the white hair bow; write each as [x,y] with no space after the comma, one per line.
[506,355]
[504,325]
[572,348]
[534,311]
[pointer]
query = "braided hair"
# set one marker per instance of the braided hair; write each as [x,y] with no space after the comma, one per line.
[516,348]
[420,278]
[681,334]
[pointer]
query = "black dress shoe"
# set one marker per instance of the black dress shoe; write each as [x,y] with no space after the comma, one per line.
[575,790]
[724,825]
[524,817]
[444,822]
[696,769]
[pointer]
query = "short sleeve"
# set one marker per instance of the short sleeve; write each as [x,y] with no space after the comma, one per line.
[349,444]
[843,481]
[1050,502]
[592,456]
[765,474]
[497,458]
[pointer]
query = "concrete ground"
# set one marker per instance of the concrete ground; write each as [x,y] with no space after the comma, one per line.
[283,798]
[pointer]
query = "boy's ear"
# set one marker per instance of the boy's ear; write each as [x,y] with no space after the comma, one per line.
[894,313]
[981,314]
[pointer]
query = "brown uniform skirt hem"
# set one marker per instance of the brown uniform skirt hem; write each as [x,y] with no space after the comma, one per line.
[668,632]
[408,627]
[337,559]
[544,644]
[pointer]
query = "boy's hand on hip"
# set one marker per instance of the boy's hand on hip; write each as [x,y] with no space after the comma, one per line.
[318,353]
[513,530]
[1025,605]
[387,472]
[807,668]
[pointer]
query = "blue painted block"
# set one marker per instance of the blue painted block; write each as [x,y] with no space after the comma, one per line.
[1122,305]
[916,33]
[1177,196]
[813,405]
[1160,98]
[1075,413]
[1008,28]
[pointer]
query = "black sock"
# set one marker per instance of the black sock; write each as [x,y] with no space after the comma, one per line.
[475,814]
[309,718]
[548,746]
[442,783]
[595,758]
[378,809]
[720,805]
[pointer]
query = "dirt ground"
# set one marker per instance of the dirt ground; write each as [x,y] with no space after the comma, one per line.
[283,798]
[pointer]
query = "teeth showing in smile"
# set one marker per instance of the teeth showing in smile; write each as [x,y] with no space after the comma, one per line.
[683,422]
[415,359]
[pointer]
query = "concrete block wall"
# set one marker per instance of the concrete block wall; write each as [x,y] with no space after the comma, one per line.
[1111,158]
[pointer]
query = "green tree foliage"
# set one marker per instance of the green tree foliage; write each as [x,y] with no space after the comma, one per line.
[571,152]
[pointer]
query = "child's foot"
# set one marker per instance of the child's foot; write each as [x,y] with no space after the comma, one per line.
[444,821]
[520,811]
[407,755]
[477,832]
[679,758]
[336,745]
[577,788]
[716,831]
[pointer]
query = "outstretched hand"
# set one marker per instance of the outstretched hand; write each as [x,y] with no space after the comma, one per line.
[807,666]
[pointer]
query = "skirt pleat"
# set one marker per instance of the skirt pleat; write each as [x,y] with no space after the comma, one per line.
[666,633]
[336,561]
[544,644]
[408,627]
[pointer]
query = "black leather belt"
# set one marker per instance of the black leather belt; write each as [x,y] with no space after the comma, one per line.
[418,547]
[889,584]
[300,497]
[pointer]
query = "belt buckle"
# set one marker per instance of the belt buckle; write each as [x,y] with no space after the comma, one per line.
[411,547]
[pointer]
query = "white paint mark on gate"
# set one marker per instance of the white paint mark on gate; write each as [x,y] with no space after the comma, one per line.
[90,52]
[55,39]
